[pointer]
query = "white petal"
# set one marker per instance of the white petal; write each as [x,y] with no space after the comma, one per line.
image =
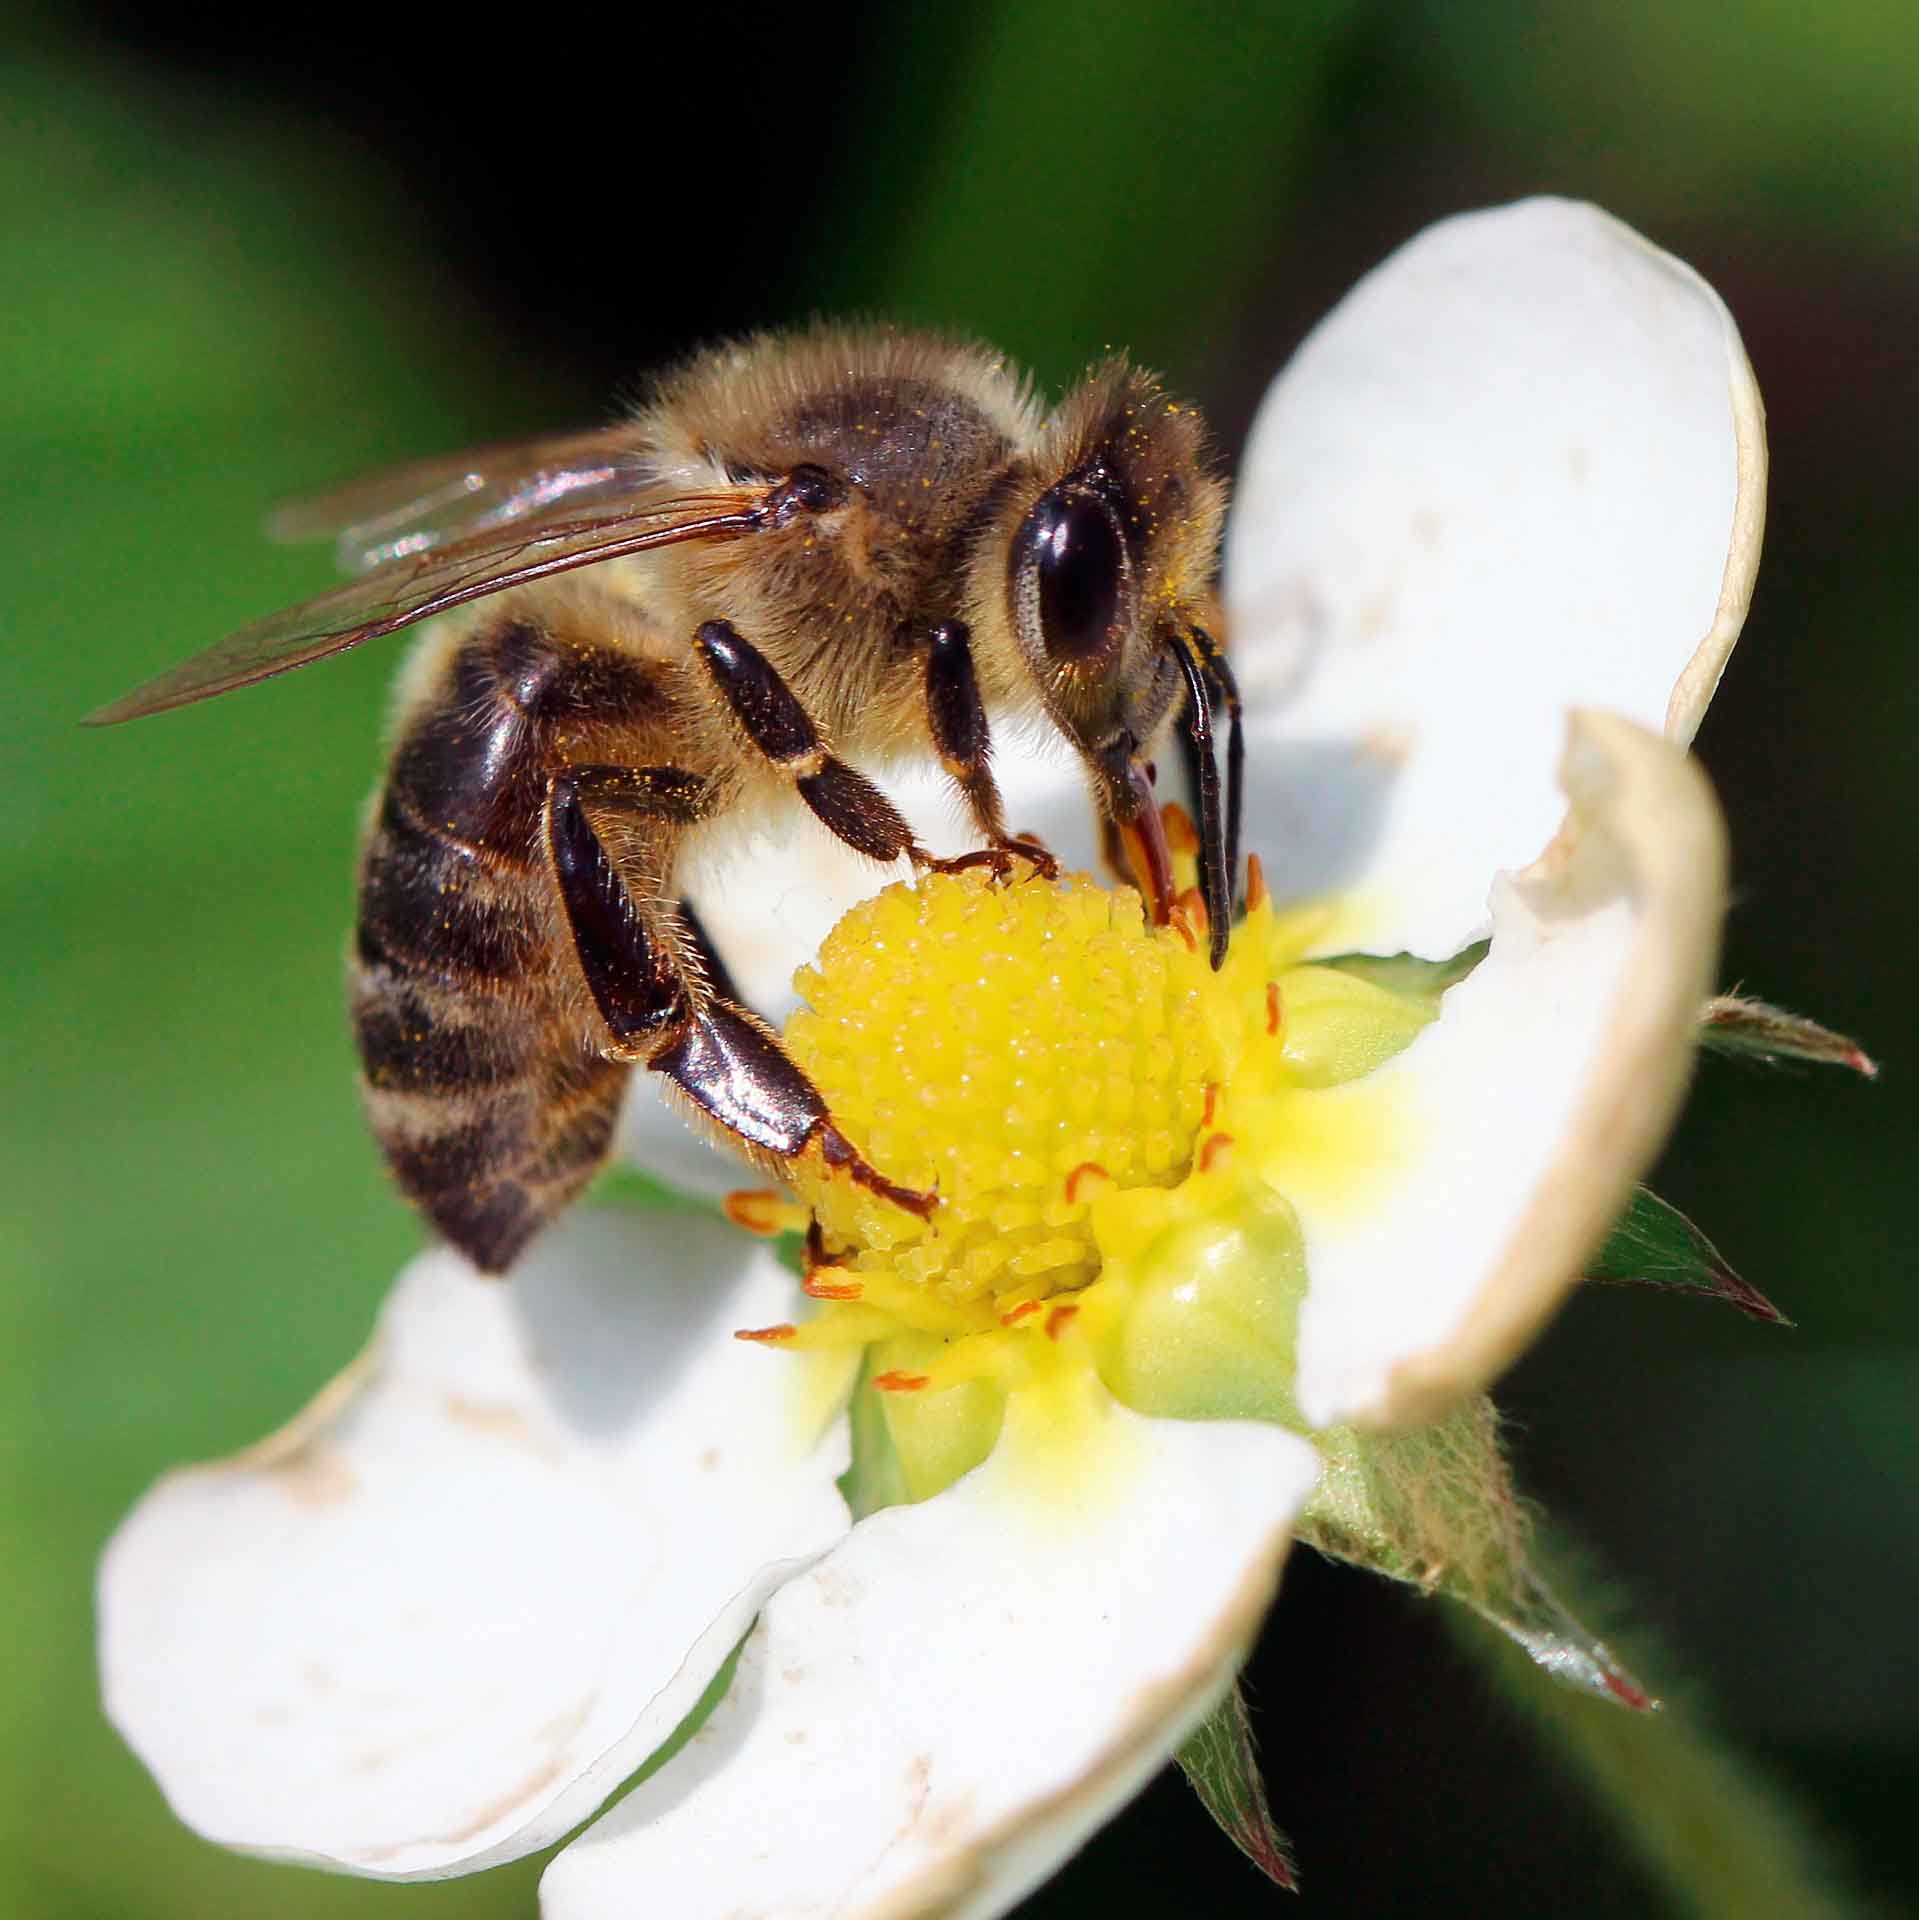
[1521,468]
[435,1621]
[768,893]
[1516,1123]
[936,1716]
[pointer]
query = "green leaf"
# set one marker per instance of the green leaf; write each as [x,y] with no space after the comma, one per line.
[1757,1030]
[1655,1245]
[1219,1762]
[1407,974]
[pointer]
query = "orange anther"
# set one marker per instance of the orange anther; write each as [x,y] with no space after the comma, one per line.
[761,1210]
[771,1335]
[1084,1168]
[1212,1103]
[1272,1006]
[1216,1144]
[1014,1315]
[896,1381]
[1256,895]
[1192,903]
[1057,1319]
[819,1289]
[1176,919]
[1181,835]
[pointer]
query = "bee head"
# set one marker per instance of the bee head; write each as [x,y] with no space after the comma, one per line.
[1103,573]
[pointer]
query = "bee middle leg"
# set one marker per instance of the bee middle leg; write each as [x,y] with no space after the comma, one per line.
[641,962]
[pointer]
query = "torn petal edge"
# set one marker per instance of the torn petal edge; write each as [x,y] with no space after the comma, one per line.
[1637,799]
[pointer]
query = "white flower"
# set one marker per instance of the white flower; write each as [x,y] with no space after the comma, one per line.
[1494,539]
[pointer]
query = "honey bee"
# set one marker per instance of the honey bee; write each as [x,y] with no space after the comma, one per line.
[843,542]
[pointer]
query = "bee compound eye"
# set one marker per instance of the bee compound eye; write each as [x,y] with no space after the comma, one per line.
[812,489]
[1077,551]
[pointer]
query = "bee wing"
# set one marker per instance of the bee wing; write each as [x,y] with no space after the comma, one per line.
[421,585]
[377,518]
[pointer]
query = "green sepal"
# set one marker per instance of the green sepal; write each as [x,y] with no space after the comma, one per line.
[1655,1245]
[1221,1766]
[1407,974]
[1757,1030]
[1434,1508]
[876,1478]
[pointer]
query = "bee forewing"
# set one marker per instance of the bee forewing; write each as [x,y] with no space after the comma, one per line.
[418,586]
[388,515]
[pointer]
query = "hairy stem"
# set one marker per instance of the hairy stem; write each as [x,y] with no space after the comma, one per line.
[1722,1840]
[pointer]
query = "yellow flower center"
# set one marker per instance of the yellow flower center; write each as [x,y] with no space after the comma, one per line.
[1108,1123]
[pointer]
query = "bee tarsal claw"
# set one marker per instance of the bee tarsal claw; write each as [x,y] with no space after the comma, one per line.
[841,1154]
[1000,859]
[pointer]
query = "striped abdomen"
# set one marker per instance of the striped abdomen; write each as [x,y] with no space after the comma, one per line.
[482,1080]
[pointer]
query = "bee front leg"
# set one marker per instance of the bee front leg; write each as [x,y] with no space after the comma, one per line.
[640,960]
[956,718]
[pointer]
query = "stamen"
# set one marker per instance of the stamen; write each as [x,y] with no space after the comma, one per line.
[1087,1169]
[769,1336]
[1058,1069]
[818,1289]
[763,1211]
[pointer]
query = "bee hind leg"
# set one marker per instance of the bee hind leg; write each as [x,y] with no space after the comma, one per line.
[642,965]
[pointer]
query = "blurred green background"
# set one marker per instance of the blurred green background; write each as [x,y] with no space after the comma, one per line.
[241,260]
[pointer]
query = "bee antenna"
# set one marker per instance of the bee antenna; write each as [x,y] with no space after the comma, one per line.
[1215,862]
